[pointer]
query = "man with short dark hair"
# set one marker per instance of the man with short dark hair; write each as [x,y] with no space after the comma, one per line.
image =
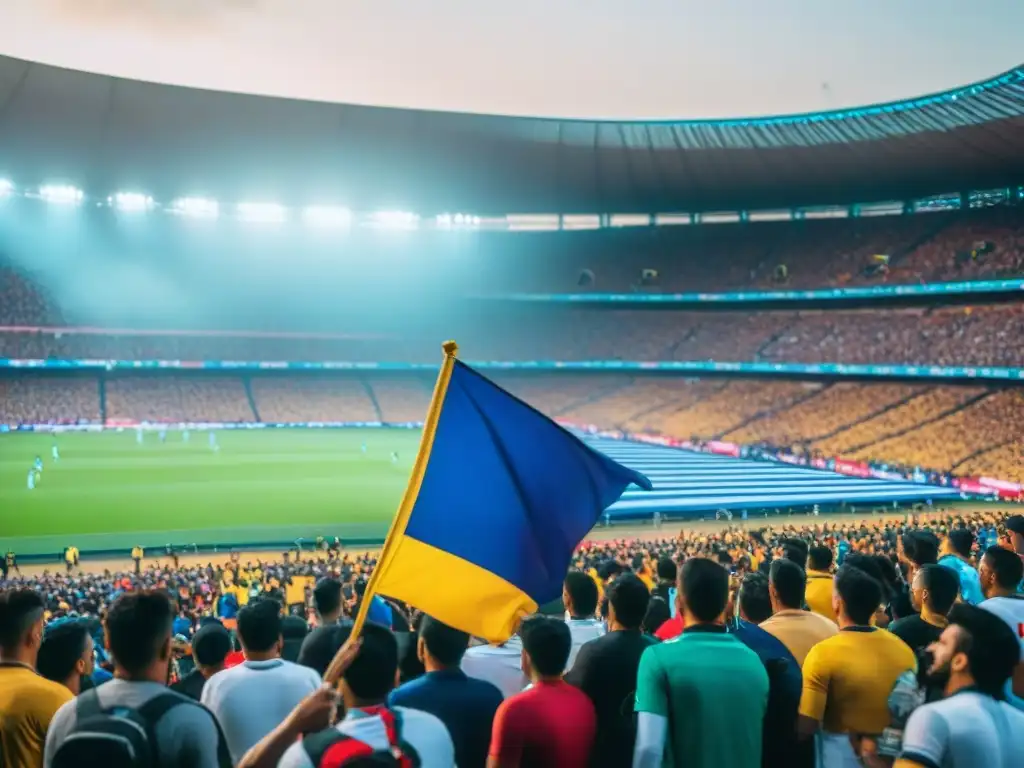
[66,655]
[972,660]
[551,723]
[668,573]
[701,698]
[915,549]
[606,669]
[580,597]
[328,600]
[796,550]
[848,677]
[797,629]
[28,701]
[1000,572]
[819,582]
[365,686]
[210,647]
[274,685]
[956,555]
[933,592]
[138,637]
[465,705]
[779,745]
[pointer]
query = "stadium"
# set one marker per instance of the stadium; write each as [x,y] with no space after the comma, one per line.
[764,315]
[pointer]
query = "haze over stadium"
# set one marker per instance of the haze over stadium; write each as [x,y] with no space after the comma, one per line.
[768,261]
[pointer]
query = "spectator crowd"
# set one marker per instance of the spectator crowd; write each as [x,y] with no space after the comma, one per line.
[856,643]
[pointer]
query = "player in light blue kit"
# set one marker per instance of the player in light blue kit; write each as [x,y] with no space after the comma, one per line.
[184,436]
[138,435]
[394,457]
[213,441]
[163,434]
[32,479]
[38,465]
[364,449]
[55,453]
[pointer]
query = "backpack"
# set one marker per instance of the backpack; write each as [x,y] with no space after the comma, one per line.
[332,749]
[116,737]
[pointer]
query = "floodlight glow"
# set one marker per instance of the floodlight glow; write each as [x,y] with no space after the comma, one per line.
[396,219]
[271,213]
[131,201]
[61,194]
[196,207]
[6,187]
[327,216]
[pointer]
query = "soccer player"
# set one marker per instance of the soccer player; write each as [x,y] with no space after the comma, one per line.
[394,457]
[163,434]
[55,453]
[213,441]
[364,449]
[32,479]
[184,436]
[138,435]
[38,465]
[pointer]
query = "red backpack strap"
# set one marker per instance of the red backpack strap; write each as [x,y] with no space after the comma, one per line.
[332,748]
[401,750]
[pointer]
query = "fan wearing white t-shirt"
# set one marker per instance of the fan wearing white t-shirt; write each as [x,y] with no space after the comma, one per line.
[1000,573]
[970,727]
[365,686]
[250,700]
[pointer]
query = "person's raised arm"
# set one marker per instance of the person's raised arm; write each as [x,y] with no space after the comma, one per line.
[312,714]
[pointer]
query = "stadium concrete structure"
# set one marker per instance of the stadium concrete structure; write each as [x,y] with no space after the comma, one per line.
[98,136]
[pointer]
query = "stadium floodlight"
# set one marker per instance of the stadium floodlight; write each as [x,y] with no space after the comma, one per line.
[131,201]
[61,194]
[266,213]
[196,207]
[6,188]
[396,219]
[327,216]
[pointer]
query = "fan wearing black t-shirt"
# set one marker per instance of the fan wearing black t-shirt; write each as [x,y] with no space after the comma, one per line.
[933,592]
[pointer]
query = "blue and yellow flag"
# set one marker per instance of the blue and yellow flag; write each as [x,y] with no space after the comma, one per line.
[499,498]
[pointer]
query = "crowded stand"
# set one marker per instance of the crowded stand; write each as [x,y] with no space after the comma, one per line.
[972,336]
[833,408]
[298,399]
[49,400]
[933,402]
[804,629]
[994,419]
[177,399]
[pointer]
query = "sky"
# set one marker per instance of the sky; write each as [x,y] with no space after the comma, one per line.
[598,59]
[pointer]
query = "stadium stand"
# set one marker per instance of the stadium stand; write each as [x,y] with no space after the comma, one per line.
[296,399]
[401,399]
[177,398]
[833,408]
[49,400]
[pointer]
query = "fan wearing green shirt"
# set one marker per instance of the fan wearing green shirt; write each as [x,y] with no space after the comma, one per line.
[701,697]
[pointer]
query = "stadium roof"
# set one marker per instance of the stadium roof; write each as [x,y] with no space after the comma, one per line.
[104,133]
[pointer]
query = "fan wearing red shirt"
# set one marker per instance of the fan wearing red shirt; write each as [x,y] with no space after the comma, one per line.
[551,723]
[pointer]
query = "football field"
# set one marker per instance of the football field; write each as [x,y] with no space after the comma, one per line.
[107,492]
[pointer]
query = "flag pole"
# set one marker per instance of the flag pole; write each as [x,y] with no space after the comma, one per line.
[401,519]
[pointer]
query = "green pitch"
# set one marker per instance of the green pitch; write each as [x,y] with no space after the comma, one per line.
[266,487]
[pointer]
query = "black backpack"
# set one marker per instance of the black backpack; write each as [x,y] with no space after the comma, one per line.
[116,737]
